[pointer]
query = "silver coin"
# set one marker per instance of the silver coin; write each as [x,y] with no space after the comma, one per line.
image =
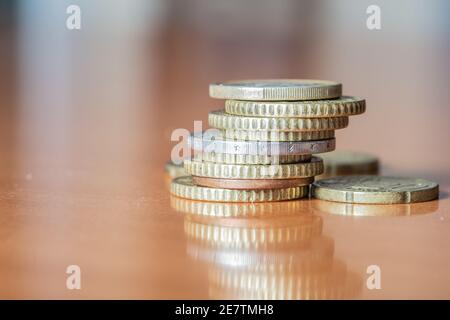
[203,144]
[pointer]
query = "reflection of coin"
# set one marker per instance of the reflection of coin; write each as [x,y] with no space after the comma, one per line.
[341,163]
[335,282]
[265,148]
[230,158]
[221,120]
[276,89]
[174,170]
[253,135]
[278,209]
[375,189]
[255,184]
[373,210]
[343,106]
[252,171]
[183,187]
[255,234]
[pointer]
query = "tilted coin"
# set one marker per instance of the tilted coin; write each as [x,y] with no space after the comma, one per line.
[184,187]
[276,89]
[340,163]
[229,158]
[221,120]
[343,106]
[175,170]
[252,171]
[257,135]
[375,189]
[268,148]
[251,184]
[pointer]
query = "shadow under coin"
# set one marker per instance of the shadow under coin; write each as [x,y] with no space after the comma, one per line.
[265,251]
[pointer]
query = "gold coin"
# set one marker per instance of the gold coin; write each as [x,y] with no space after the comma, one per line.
[343,106]
[276,90]
[252,184]
[251,171]
[221,120]
[375,189]
[175,170]
[183,187]
[342,163]
[251,135]
[229,158]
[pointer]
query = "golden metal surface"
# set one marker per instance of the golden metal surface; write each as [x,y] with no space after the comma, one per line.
[254,171]
[343,106]
[184,187]
[375,189]
[221,120]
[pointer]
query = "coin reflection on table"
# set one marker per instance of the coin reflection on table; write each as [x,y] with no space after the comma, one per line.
[265,251]
[375,210]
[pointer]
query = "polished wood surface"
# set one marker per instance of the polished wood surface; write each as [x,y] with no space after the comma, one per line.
[85,129]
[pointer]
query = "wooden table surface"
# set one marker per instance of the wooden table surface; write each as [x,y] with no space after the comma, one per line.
[85,130]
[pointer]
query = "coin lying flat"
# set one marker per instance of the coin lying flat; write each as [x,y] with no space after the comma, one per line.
[340,163]
[221,120]
[375,189]
[174,170]
[253,135]
[267,148]
[342,106]
[251,184]
[276,90]
[229,158]
[252,171]
[184,187]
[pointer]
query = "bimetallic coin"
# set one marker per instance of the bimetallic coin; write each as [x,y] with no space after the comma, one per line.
[375,189]
[252,184]
[228,158]
[266,148]
[184,187]
[343,106]
[252,171]
[276,90]
[221,120]
[342,163]
[253,135]
[174,170]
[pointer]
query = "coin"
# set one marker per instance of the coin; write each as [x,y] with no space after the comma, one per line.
[343,106]
[252,171]
[252,135]
[229,158]
[251,184]
[267,148]
[340,163]
[174,170]
[221,120]
[276,90]
[375,189]
[184,187]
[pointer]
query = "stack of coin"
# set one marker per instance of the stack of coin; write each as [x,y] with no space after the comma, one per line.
[263,141]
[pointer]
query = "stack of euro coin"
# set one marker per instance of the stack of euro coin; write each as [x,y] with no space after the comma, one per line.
[261,146]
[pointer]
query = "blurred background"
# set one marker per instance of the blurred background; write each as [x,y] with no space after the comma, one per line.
[86,118]
[139,69]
